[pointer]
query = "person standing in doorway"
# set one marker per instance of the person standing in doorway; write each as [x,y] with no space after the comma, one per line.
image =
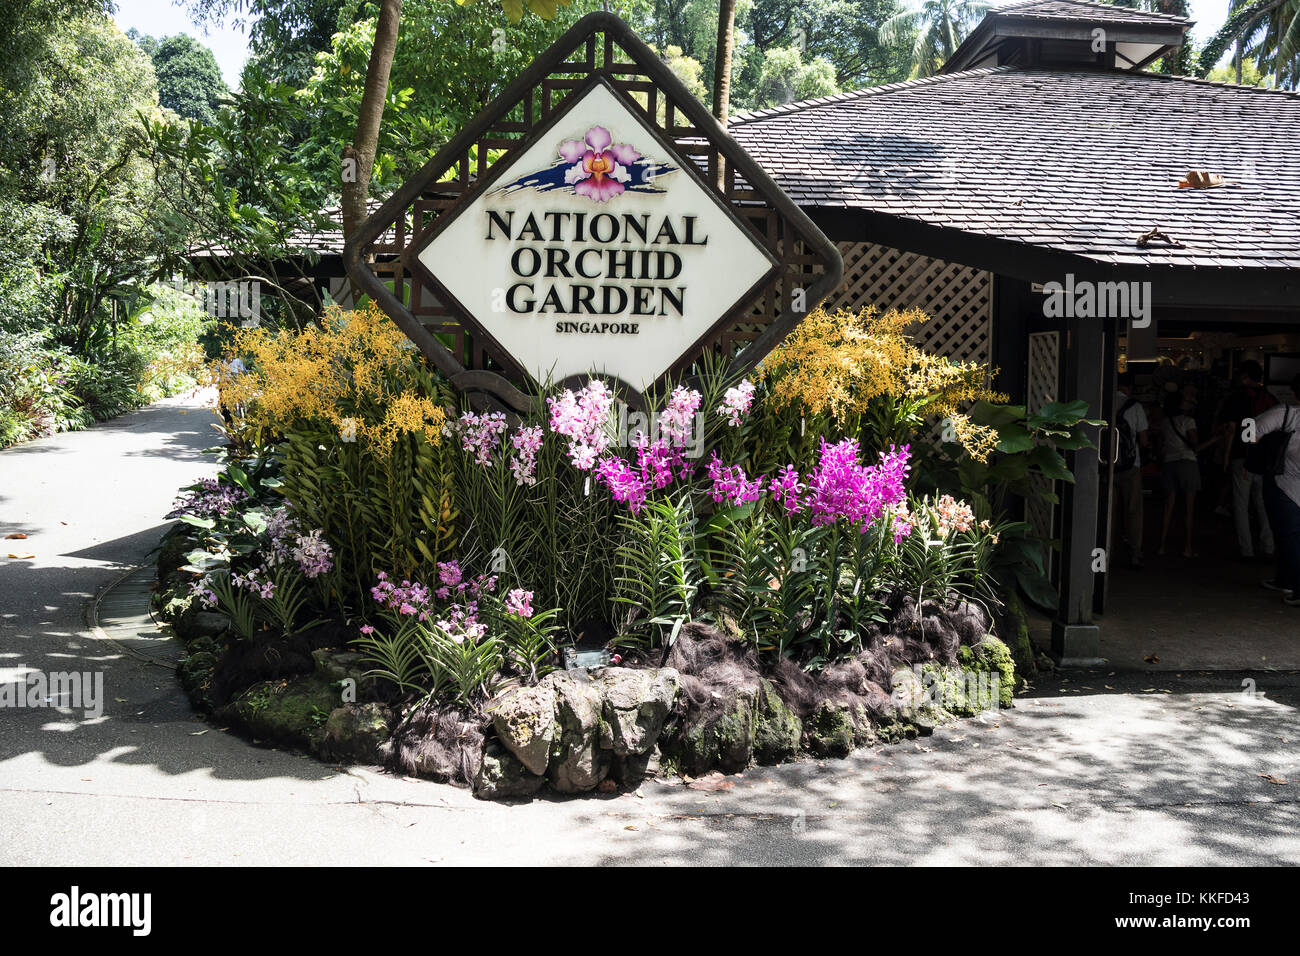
[1282,497]
[1248,401]
[1131,422]
[1180,471]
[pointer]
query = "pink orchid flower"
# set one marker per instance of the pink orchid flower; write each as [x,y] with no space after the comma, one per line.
[600,165]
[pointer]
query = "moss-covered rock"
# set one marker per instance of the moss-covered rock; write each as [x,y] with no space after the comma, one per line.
[946,689]
[992,658]
[917,698]
[195,673]
[355,733]
[630,771]
[1016,626]
[721,738]
[893,731]
[501,776]
[292,712]
[525,723]
[577,762]
[340,667]
[832,730]
[635,705]
[778,731]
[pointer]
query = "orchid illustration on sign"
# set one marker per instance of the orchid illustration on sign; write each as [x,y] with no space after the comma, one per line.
[596,167]
[600,165]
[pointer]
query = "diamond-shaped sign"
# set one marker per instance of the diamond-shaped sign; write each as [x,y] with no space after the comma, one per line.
[596,249]
[594,244]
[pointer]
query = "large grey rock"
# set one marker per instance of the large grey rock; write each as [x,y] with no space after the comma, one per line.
[577,763]
[636,704]
[501,776]
[778,731]
[720,739]
[524,720]
[336,666]
[631,771]
[918,698]
[207,624]
[355,733]
[832,729]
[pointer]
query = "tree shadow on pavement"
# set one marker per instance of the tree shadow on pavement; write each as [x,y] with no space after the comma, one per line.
[1124,779]
[147,719]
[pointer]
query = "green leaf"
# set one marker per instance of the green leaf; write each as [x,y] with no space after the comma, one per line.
[986,413]
[1038,588]
[239,477]
[1063,412]
[1050,463]
[1014,438]
[206,523]
[1010,468]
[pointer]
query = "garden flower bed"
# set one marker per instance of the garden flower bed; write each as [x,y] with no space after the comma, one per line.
[748,571]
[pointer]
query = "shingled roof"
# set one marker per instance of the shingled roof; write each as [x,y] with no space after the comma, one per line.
[1083,10]
[1076,161]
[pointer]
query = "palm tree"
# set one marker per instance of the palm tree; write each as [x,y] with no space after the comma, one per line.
[722,60]
[1267,31]
[939,26]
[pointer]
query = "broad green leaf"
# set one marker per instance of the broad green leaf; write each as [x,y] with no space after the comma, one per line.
[239,477]
[1050,463]
[1014,438]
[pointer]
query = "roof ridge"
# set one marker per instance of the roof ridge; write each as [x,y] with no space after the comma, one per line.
[768,112]
[1091,4]
[1222,84]
[799,105]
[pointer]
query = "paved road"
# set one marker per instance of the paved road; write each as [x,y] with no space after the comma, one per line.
[1152,770]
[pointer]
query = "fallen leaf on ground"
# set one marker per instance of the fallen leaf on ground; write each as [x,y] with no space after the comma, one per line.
[1274,779]
[713,781]
[21,555]
[17,535]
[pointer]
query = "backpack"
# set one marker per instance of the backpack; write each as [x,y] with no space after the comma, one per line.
[1128,441]
[1268,455]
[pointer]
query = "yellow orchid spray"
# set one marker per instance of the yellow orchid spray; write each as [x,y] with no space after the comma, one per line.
[862,368]
[356,372]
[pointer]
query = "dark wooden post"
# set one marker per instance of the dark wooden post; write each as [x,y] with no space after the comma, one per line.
[1075,638]
[1012,301]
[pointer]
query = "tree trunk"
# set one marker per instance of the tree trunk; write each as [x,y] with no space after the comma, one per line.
[722,60]
[356,180]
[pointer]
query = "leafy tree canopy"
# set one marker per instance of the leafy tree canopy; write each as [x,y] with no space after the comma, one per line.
[189,80]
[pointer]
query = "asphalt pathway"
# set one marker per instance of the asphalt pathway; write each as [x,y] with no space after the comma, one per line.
[1098,768]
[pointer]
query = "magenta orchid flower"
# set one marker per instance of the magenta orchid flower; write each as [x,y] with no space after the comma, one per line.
[599,167]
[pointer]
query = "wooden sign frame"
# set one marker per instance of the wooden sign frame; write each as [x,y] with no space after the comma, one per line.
[382,258]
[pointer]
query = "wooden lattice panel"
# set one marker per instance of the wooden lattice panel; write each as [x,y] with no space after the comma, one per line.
[958,298]
[1042,386]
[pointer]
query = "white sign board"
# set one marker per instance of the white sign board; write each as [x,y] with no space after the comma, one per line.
[596,250]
